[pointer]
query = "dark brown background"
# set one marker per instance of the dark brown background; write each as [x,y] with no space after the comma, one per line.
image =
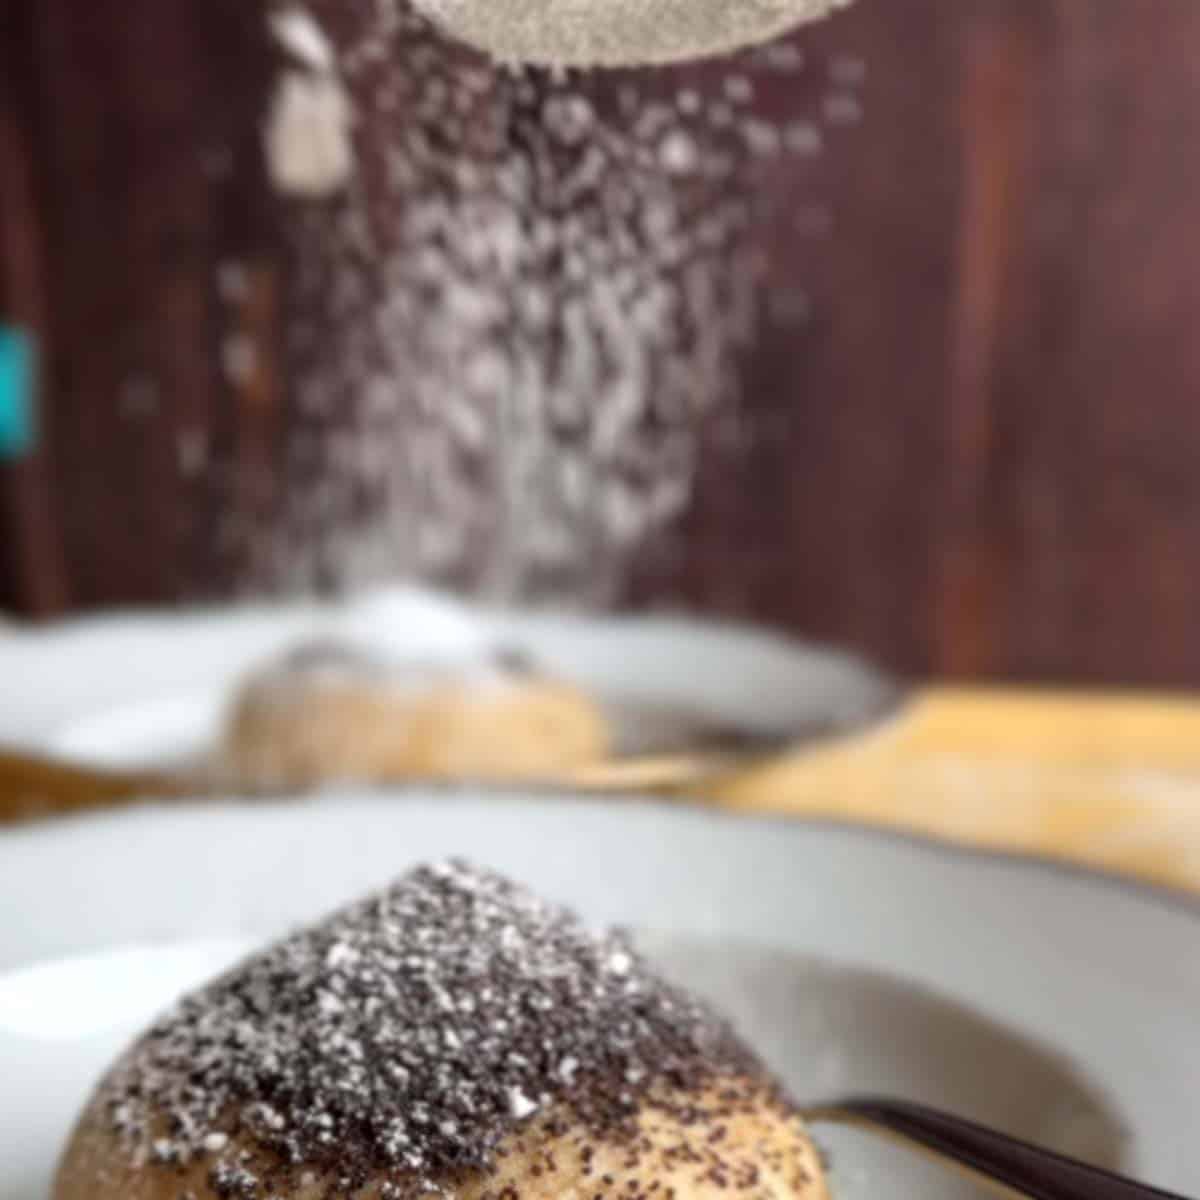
[983,455]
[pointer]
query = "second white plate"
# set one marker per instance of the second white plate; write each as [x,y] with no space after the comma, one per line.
[140,691]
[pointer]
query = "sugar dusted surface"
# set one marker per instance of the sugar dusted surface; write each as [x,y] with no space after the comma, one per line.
[408,1036]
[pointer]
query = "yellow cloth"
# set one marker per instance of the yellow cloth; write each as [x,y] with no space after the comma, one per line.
[1107,780]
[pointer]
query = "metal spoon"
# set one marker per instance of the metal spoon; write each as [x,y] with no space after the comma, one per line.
[1009,1166]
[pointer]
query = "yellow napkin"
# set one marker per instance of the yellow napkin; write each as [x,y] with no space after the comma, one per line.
[1106,780]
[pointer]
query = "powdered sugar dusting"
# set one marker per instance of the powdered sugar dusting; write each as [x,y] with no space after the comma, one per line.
[407,1036]
[519,319]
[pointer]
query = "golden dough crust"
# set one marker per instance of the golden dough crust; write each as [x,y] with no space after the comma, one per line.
[306,729]
[451,1035]
[693,1149]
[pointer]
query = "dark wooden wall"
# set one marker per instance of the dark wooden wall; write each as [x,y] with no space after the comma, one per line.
[994,465]
[981,458]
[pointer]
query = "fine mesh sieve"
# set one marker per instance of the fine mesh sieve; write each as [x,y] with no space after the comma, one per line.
[618,33]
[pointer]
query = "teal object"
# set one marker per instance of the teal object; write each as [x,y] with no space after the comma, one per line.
[16,393]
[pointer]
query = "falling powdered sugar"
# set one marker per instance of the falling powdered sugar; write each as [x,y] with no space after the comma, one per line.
[515,320]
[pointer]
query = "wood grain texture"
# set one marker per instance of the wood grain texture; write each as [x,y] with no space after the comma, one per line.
[1107,780]
[992,427]
[977,457]
[32,567]
[150,159]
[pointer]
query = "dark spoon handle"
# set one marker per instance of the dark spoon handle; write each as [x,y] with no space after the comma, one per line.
[997,1159]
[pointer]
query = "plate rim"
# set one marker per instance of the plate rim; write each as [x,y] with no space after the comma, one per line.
[1176,900]
[1066,888]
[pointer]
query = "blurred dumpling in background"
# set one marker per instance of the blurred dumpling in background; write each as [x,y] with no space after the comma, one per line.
[331,712]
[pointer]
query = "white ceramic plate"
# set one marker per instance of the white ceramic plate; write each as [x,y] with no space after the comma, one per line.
[1059,1005]
[141,690]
